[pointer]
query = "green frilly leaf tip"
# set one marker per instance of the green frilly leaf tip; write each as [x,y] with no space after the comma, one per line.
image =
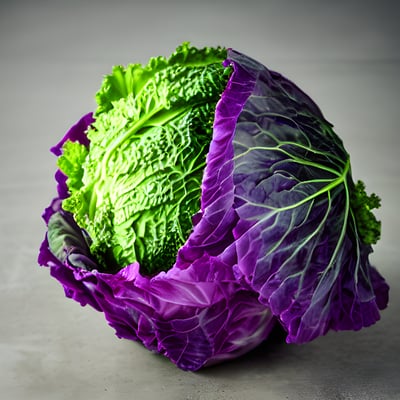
[71,160]
[136,190]
[362,204]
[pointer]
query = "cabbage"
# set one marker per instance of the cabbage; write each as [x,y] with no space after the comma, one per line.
[205,200]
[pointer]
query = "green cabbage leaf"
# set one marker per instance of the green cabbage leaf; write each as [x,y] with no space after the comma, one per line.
[138,188]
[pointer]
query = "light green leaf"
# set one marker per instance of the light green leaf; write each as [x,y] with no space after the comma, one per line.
[142,176]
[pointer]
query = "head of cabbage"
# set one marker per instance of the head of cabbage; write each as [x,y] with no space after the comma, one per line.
[203,201]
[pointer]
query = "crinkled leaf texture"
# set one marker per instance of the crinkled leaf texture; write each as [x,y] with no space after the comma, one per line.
[275,235]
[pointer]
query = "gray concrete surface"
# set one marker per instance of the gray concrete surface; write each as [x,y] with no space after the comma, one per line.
[53,54]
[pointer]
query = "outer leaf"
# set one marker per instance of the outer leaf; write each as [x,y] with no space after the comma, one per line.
[297,240]
[195,316]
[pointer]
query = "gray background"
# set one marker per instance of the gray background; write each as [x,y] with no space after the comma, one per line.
[53,54]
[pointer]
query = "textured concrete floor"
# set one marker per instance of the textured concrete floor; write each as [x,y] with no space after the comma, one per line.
[53,55]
